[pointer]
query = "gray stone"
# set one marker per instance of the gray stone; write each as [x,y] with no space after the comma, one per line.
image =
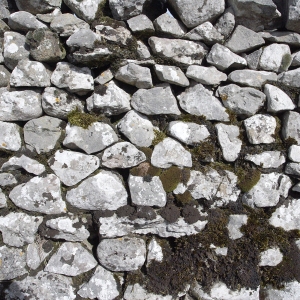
[111,100]
[170,152]
[195,12]
[19,229]
[198,100]
[104,77]
[171,74]
[75,79]
[71,167]
[253,59]
[267,191]
[228,137]
[4,12]
[296,187]
[293,15]
[1,50]
[137,128]
[242,101]
[7,179]
[289,290]
[251,77]
[155,252]
[286,37]
[67,24]
[13,263]
[10,137]
[294,153]
[123,10]
[276,58]
[221,57]
[14,49]
[39,194]
[71,259]
[43,134]
[95,138]
[2,197]
[155,101]
[169,26]
[234,225]
[267,159]
[204,75]
[243,40]
[31,74]
[291,126]
[270,257]
[107,184]
[38,6]
[102,285]
[181,52]
[187,132]
[122,155]
[48,17]
[141,24]
[122,254]
[290,78]
[135,75]
[293,169]
[4,76]
[58,103]
[142,50]
[296,59]
[83,38]
[147,193]
[119,35]
[226,23]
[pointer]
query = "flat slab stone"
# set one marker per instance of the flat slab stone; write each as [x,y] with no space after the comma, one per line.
[291,126]
[205,75]
[83,38]
[10,137]
[290,78]
[286,37]
[270,257]
[267,159]
[234,225]
[107,184]
[39,194]
[170,74]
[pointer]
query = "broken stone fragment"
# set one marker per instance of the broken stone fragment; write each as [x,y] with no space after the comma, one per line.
[290,78]
[141,24]
[24,21]
[154,252]
[104,77]
[3,200]
[226,23]
[170,74]
[267,159]
[205,75]
[286,37]
[234,225]
[126,9]
[291,126]
[10,137]
[83,38]
[7,179]
[287,291]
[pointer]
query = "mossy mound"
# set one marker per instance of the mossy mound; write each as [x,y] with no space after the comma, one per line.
[247,178]
[170,178]
[84,120]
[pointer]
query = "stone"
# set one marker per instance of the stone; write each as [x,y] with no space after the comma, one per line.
[123,10]
[14,49]
[155,252]
[171,74]
[277,100]
[10,137]
[243,101]
[105,183]
[270,257]
[58,103]
[71,259]
[37,6]
[294,153]
[276,58]
[19,229]
[104,77]
[110,100]
[119,35]
[147,193]
[296,59]
[135,75]
[228,137]
[292,169]
[75,79]
[71,167]
[234,225]
[222,58]
[67,24]
[188,132]
[142,51]
[2,197]
[83,38]
[291,126]
[296,187]
[290,78]
[7,179]
[244,39]
[24,21]
[267,191]
[169,26]
[102,285]
[13,263]
[4,76]
[31,74]
[141,24]
[39,194]
[155,101]
[198,100]
[206,75]
[286,37]
[170,152]
[122,254]
[253,59]
[252,78]
[289,290]
[43,134]
[293,16]
[122,155]
[4,12]
[179,51]
[48,17]
[267,159]
[226,23]
[138,292]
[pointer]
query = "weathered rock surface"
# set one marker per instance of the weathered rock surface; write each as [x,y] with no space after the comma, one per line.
[293,16]
[4,76]
[267,159]
[170,74]
[7,179]
[10,138]
[294,153]
[83,38]
[204,75]
[104,77]
[141,24]
[126,9]
[286,37]
[292,169]
[290,78]
[290,290]
[234,225]
[291,126]
[155,252]
[37,252]
[270,257]
[225,24]
[3,200]
[24,21]
[34,6]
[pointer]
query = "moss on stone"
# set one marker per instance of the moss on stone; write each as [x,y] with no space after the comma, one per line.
[205,151]
[78,118]
[247,178]
[170,178]
[159,136]
[184,198]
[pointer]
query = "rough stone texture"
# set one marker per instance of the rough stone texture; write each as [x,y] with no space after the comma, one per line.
[141,24]
[234,225]
[123,10]
[290,290]
[267,159]
[172,75]
[122,254]
[107,184]
[204,75]
[48,17]
[37,6]
[293,17]
[225,24]
[142,50]
[290,78]
[286,37]
[292,169]
[296,59]
[270,257]
[83,38]
[4,76]
[253,59]
[10,138]
[104,77]
[7,179]
[155,252]
[37,252]
[3,199]
[39,194]
[24,21]
[291,125]
[294,153]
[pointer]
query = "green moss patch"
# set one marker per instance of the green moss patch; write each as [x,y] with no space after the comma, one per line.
[78,118]
[159,136]
[247,178]
[204,152]
[170,178]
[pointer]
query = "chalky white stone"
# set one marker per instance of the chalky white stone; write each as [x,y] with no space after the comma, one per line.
[270,257]
[267,159]
[10,137]
[234,225]
[171,74]
[294,153]
[205,75]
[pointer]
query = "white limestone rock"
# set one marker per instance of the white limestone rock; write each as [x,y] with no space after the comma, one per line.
[290,78]
[10,137]
[7,179]
[206,75]
[234,225]
[141,24]
[296,59]
[171,74]
[154,252]
[138,292]
[293,169]
[289,291]
[270,257]
[3,199]
[36,6]
[253,59]
[267,159]
[291,126]
[142,51]
[104,77]
[294,153]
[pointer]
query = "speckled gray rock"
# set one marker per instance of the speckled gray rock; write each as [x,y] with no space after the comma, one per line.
[7,179]
[48,17]
[71,167]
[19,229]
[270,257]
[104,77]
[4,12]
[170,152]
[180,51]
[137,128]
[102,285]
[37,6]
[43,134]
[296,59]
[290,78]
[4,76]
[142,50]
[71,259]
[107,184]
[205,75]
[83,38]
[141,24]
[24,21]
[198,100]
[225,24]
[242,101]
[286,37]
[118,35]
[155,101]
[267,159]
[222,58]
[171,74]
[268,190]
[293,15]
[122,254]
[293,169]
[123,10]
[2,198]
[253,59]
[122,155]
[294,153]
[10,137]
[291,126]
[39,194]
[234,225]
